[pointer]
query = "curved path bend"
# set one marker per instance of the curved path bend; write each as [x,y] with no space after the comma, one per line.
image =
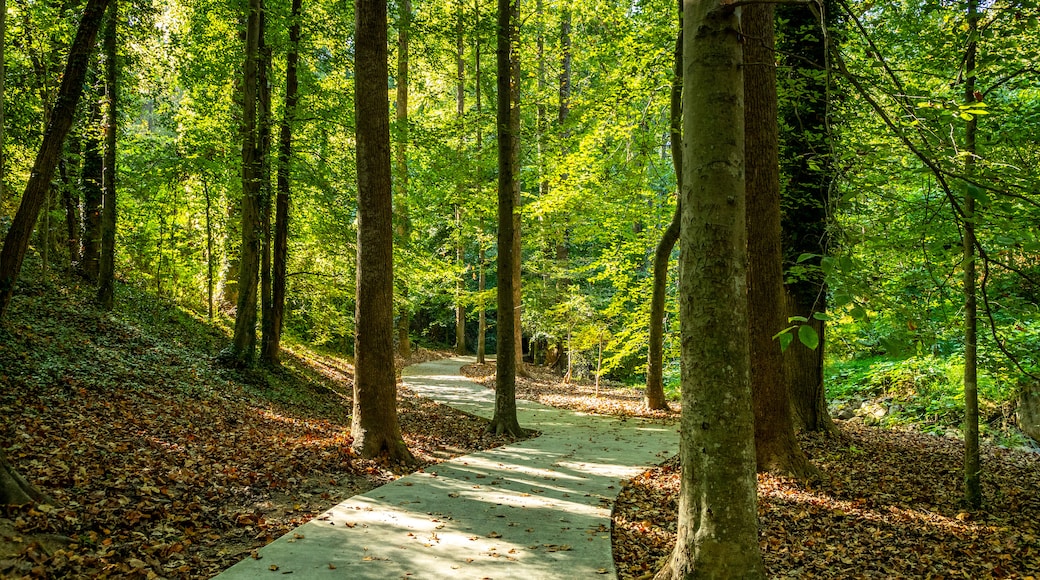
[538,509]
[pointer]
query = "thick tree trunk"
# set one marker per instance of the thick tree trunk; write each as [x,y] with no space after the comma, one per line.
[107,270]
[243,347]
[375,428]
[404,227]
[508,311]
[663,253]
[717,530]
[17,240]
[281,217]
[776,448]
[972,460]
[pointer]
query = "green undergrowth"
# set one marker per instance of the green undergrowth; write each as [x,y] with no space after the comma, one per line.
[925,393]
[56,336]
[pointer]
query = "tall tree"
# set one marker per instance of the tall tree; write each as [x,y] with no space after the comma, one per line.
[479,183]
[508,115]
[663,252]
[92,184]
[272,346]
[972,461]
[460,111]
[265,121]
[107,270]
[776,448]
[17,240]
[243,346]
[404,227]
[717,530]
[375,427]
[805,227]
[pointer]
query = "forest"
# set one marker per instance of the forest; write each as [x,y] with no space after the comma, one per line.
[800,232]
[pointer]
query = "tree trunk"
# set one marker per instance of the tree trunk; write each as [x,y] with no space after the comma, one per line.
[404,228]
[209,251]
[93,194]
[460,111]
[17,240]
[717,529]
[481,278]
[505,420]
[107,273]
[14,489]
[243,347]
[663,253]
[806,199]
[972,461]
[70,197]
[776,448]
[375,427]
[281,218]
[264,123]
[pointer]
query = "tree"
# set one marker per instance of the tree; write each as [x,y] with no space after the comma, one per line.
[404,228]
[243,346]
[972,461]
[805,226]
[460,110]
[272,345]
[374,427]
[507,314]
[17,240]
[663,251]
[107,273]
[92,180]
[776,448]
[717,530]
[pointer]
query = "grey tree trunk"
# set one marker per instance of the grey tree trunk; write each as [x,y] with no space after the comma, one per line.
[972,460]
[375,428]
[717,530]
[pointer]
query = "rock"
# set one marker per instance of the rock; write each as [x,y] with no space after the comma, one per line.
[845,413]
[1029,409]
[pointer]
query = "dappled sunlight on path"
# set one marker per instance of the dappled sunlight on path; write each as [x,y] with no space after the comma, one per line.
[536,509]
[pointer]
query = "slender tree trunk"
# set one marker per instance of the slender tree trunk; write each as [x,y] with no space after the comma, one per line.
[281,219]
[70,196]
[107,281]
[404,228]
[776,448]
[264,137]
[93,193]
[508,312]
[3,102]
[17,240]
[243,348]
[717,530]
[209,251]
[375,428]
[460,111]
[479,187]
[972,461]
[663,253]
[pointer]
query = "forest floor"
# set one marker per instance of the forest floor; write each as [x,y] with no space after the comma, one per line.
[889,506]
[161,462]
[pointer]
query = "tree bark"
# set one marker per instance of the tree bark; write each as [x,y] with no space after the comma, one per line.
[479,186]
[14,489]
[505,419]
[264,124]
[281,218]
[404,228]
[972,460]
[70,197]
[209,250]
[243,347]
[107,273]
[717,529]
[460,111]
[375,427]
[805,220]
[663,253]
[92,180]
[776,448]
[17,240]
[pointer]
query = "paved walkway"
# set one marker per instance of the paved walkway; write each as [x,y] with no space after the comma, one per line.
[538,509]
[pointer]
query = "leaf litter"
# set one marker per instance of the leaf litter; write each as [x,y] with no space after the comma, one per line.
[165,464]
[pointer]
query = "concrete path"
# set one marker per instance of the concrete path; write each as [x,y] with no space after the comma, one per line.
[538,509]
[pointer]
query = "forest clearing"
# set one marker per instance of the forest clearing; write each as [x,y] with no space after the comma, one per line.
[799,233]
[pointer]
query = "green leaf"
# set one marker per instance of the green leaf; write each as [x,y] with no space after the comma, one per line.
[786,338]
[822,316]
[805,257]
[797,319]
[807,335]
[858,313]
